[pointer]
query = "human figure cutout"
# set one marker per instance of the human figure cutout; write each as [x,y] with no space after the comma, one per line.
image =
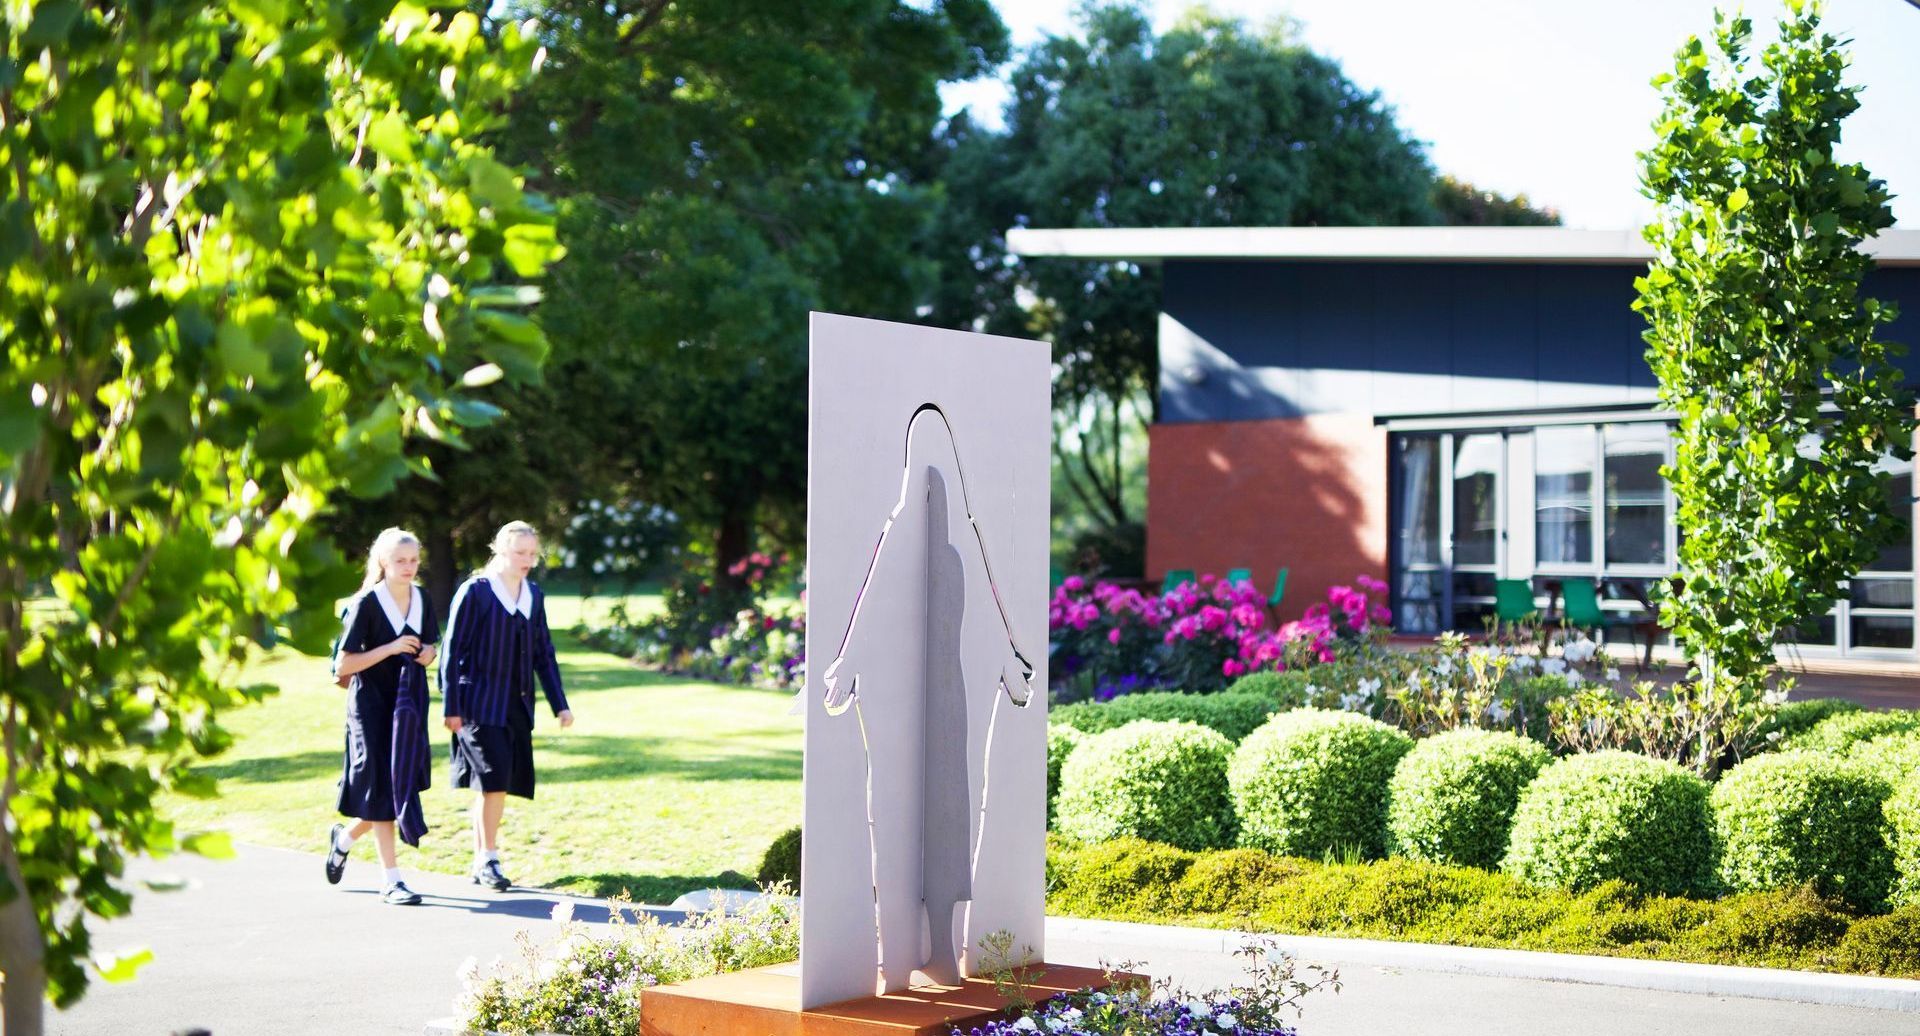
[940,780]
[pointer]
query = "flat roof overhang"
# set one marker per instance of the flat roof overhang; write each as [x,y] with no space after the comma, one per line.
[1551,245]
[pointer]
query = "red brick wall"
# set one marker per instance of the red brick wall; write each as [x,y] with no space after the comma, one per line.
[1309,493]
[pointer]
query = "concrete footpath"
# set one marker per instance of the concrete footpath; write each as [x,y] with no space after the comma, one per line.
[261,945]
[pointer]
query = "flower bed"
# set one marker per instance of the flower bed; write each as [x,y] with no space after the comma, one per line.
[1276,984]
[581,984]
[1109,640]
[729,634]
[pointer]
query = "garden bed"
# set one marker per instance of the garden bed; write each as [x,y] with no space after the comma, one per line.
[1409,901]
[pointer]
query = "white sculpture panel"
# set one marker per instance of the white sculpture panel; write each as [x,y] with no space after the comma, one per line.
[925,768]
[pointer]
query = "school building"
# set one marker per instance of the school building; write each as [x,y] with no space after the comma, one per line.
[1438,407]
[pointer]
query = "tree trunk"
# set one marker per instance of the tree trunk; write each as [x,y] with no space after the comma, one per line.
[23,997]
[733,542]
[443,573]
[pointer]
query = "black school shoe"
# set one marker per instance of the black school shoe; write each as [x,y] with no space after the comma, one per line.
[490,875]
[398,894]
[336,860]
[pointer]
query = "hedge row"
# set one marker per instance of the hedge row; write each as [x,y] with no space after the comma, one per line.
[1312,783]
[1409,900]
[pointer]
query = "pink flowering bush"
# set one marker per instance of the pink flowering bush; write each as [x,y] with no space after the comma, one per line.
[1109,640]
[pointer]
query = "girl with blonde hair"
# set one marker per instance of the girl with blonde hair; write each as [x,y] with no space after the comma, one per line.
[388,638]
[497,644]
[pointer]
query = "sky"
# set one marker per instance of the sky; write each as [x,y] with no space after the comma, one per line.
[1544,98]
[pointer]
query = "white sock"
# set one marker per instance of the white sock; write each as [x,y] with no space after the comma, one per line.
[492,855]
[344,843]
[393,876]
[482,857]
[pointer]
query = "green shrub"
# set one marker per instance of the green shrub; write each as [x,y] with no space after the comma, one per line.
[1231,712]
[1388,899]
[1885,945]
[1061,741]
[1230,881]
[1126,876]
[1166,782]
[1128,879]
[1902,813]
[1838,733]
[1602,815]
[1309,783]
[781,861]
[1771,927]
[1803,818]
[1287,689]
[1617,916]
[1891,757]
[1451,799]
[1797,717]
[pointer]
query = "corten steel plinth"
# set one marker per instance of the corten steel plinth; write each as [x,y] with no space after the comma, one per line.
[766,1002]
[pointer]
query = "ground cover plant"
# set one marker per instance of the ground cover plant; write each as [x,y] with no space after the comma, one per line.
[1250,890]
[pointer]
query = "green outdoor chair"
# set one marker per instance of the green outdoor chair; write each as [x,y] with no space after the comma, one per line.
[1513,600]
[1176,576]
[1580,604]
[1279,588]
[1236,576]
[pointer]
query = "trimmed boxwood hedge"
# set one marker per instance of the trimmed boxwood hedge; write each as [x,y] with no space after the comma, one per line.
[781,861]
[1891,757]
[1902,812]
[1061,741]
[1311,782]
[1234,713]
[1451,799]
[1797,717]
[1841,732]
[1603,815]
[1287,690]
[1166,782]
[1803,818]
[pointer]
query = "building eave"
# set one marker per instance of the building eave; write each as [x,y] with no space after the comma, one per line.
[1548,245]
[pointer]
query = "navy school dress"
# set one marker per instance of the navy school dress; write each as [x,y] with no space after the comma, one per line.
[388,754]
[495,648]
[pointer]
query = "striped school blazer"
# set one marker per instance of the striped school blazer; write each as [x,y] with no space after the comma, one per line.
[477,681]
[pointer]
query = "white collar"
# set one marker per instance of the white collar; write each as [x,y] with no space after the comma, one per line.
[392,608]
[524,605]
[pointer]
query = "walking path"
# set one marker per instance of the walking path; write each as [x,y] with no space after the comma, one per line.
[261,946]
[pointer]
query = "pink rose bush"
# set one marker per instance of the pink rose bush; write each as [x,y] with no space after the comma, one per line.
[1109,640]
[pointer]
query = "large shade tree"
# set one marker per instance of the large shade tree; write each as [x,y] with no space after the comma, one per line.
[719,169]
[247,253]
[1213,123]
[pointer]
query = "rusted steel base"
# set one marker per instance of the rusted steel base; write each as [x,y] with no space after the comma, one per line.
[766,1002]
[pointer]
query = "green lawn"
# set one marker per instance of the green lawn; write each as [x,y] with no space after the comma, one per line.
[662,786]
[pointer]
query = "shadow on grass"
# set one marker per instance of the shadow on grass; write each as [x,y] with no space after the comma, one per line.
[593,757]
[277,769]
[651,888]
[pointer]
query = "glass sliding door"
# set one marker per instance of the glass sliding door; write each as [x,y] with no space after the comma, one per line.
[1563,497]
[1476,533]
[1419,593]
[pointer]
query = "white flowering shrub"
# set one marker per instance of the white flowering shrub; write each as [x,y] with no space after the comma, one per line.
[1276,984]
[586,983]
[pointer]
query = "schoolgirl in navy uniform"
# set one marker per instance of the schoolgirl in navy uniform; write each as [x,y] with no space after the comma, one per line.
[497,643]
[387,643]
